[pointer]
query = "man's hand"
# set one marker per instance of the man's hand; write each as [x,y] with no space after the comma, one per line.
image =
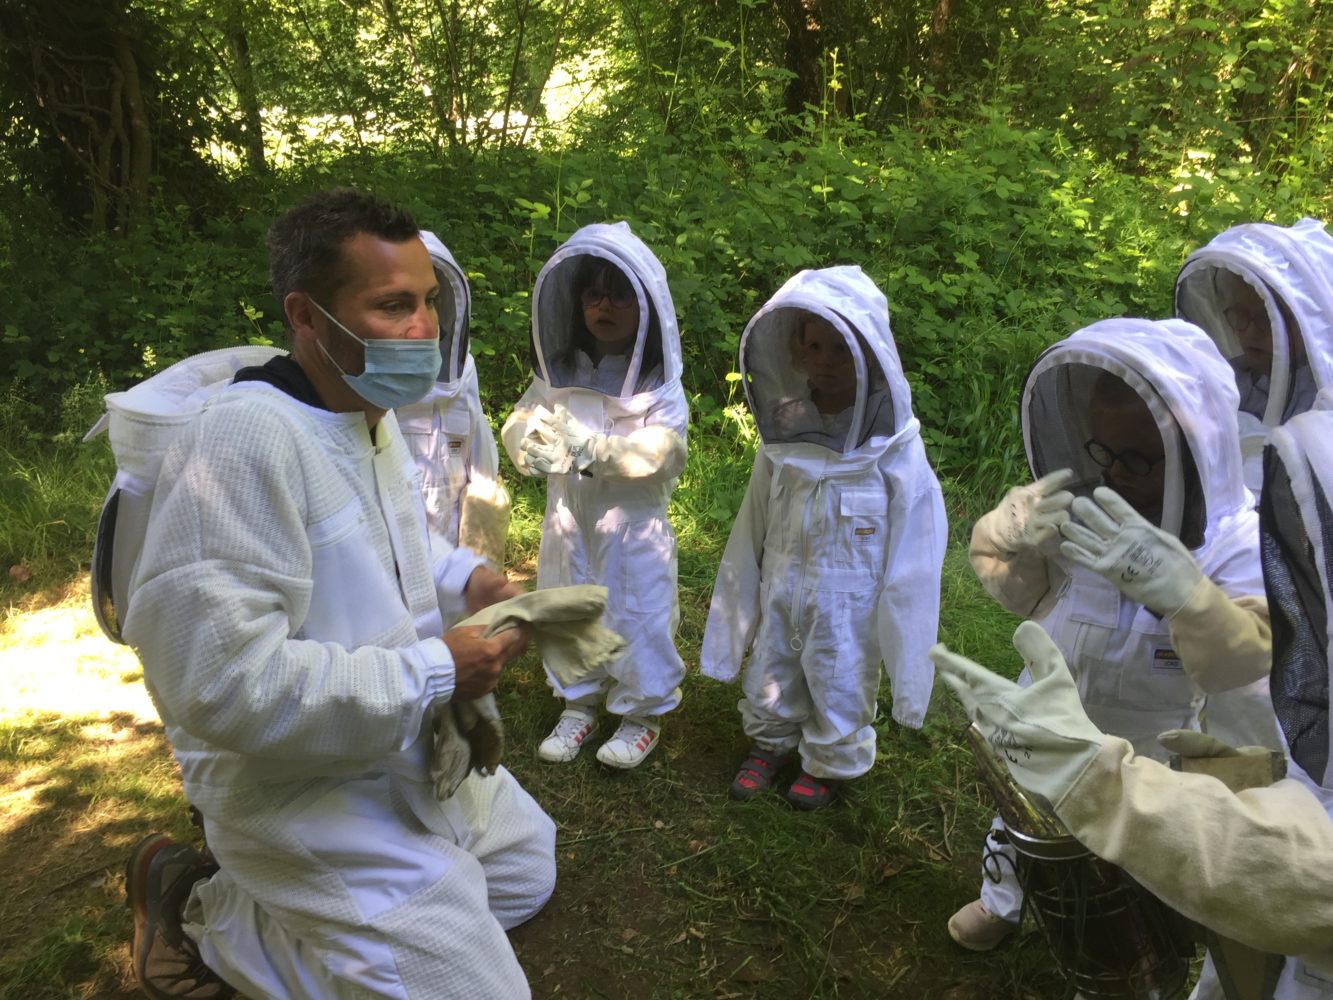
[486,587]
[479,660]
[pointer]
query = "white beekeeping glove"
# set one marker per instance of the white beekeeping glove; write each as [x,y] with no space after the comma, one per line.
[544,459]
[578,438]
[1041,732]
[1144,562]
[1029,517]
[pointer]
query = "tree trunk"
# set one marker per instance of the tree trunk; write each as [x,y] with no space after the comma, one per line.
[247,95]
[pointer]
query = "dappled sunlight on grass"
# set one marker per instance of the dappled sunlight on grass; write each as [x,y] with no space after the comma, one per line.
[56,660]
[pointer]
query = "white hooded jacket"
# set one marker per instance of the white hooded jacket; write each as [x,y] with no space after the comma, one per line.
[608,524]
[446,432]
[1290,269]
[869,514]
[1135,671]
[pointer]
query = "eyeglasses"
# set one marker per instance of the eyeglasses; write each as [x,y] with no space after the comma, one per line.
[619,300]
[1241,319]
[1134,462]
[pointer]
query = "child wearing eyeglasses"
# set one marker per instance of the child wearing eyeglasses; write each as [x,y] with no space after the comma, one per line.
[1128,549]
[604,422]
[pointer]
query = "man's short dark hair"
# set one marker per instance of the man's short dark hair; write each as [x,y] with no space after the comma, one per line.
[305,244]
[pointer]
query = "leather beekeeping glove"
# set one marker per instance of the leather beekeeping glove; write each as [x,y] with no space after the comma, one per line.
[1192,743]
[542,448]
[451,755]
[483,518]
[543,459]
[1144,562]
[1029,517]
[1041,732]
[567,629]
[1238,768]
[577,437]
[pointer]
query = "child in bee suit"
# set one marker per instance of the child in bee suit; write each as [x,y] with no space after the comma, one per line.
[604,421]
[1264,293]
[1255,866]
[833,563]
[449,436]
[1148,408]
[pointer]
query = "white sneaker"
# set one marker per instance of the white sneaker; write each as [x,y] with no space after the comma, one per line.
[566,739]
[632,742]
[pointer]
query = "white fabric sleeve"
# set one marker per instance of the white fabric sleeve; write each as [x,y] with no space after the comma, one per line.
[733,612]
[909,599]
[650,453]
[484,457]
[452,567]
[1255,866]
[516,424]
[1025,583]
[224,581]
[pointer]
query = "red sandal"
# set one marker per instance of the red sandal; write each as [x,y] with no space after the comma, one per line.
[757,773]
[809,792]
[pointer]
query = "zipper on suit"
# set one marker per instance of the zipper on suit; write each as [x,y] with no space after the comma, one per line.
[796,642]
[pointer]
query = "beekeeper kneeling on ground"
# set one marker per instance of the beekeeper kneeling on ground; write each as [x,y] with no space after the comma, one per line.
[1256,865]
[291,620]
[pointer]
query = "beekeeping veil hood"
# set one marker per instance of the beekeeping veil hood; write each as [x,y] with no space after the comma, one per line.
[1296,546]
[1291,271]
[454,307]
[782,377]
[1186,385]
[558,331]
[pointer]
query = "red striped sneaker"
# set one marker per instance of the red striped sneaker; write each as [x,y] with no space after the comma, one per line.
[566,739]
[634,740]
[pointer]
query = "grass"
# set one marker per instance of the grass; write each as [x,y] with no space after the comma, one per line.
[666,888]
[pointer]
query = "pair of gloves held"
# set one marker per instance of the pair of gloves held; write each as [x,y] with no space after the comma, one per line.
[566,621]
[556,442]
[1104,534]
[1041,731]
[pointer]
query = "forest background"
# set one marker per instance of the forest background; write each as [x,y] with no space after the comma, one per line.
[1006,172]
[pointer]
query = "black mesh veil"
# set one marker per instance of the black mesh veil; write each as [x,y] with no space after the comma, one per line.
[1299,681]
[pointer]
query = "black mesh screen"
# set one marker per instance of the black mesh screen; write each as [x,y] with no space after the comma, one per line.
[1299,680]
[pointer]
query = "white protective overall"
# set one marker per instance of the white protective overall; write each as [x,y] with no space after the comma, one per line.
[449,436]
[608,524]
[833,563]
[1132,667]
[1290,269]
[287,610]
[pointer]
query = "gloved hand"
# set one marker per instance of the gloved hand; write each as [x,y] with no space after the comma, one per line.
[1029,517]
[1144,562]
[543,458]
[1041,731]
[1192,743]
[479,722]
[578,438]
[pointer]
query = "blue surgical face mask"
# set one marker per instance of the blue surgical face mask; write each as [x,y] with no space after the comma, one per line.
[398,372]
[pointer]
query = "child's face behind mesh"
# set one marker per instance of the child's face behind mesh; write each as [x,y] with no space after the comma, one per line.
[823,356]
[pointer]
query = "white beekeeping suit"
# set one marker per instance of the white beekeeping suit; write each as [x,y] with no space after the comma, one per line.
[1258,279]
[606,518]
[449,436]
[1138,673]
[833,563]
[291,611]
